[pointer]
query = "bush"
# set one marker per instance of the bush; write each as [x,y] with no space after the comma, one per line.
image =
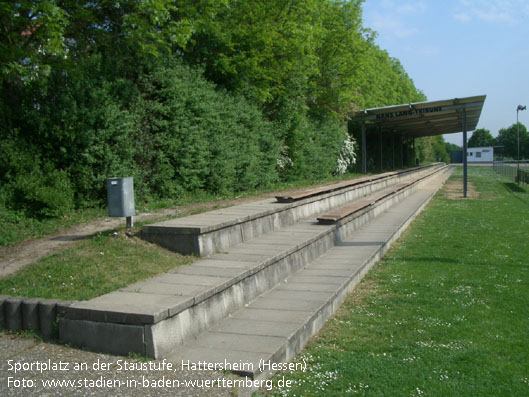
[314,147]
[40,191]
[197,138]
[43,193]
[164,125]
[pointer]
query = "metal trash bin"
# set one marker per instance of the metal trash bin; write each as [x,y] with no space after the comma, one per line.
[120,198]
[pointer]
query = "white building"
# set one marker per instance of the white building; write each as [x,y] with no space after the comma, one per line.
[480,154]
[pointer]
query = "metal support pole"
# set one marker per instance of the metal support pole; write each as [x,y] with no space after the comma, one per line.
[413,152]
[401,144]
[464,153]
[520,107]
[380,147]
[364,149]
[518,167]
[393,151]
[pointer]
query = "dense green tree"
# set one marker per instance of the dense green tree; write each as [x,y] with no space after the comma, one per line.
[440,152]
[508,138]
[432,148]
[481,138]
[452,146]
[262,49]
[91,89]
[341,48]
[32,34]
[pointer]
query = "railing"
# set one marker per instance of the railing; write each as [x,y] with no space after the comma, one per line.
[510,170]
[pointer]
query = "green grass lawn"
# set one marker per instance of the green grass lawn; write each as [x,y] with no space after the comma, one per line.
[445,313]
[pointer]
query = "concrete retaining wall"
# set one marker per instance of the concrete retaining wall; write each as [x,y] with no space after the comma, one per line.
[163,337]
[298,340]
[29,314]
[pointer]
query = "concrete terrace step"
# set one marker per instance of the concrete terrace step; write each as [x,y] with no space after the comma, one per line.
[163,312]
[155,316]
[207,233]
[331,188]
[277,325]
[350,209]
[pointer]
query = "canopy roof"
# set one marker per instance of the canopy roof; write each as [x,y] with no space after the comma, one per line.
[426,118]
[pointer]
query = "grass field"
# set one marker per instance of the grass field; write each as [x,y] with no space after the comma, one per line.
[445,313]
[17,227]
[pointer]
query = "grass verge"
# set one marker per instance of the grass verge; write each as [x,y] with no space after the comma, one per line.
[92,267]
[445,312]
[16,227]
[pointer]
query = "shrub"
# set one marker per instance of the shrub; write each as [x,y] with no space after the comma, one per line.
[314,147]
[197,138]
[43,193]
[40,191]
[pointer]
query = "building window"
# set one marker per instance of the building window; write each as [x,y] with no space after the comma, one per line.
[478,154]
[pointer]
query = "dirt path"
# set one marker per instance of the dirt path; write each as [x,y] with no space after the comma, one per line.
[18,256]
[454,189]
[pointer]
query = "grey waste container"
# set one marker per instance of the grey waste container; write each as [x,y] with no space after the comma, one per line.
[120,197]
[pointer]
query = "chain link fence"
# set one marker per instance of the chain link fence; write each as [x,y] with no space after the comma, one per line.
[511,170]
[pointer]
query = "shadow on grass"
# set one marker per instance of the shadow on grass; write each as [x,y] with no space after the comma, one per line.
[430,260]
[462,263]
[513,187]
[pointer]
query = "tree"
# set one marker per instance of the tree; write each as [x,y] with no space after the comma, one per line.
[481,138]
[32,33]
[508,138]
[452,146]
[432,149]
[341,48]
[83,95]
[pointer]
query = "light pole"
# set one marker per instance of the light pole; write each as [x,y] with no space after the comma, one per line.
[520,107]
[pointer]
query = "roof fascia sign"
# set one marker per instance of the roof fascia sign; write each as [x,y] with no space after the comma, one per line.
[409,112]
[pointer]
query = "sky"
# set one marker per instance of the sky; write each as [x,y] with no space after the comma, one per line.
[460,48]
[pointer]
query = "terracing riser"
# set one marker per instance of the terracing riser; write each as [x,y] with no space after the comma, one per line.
[163,337]
[191,322]
[351,223]
[207,240]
